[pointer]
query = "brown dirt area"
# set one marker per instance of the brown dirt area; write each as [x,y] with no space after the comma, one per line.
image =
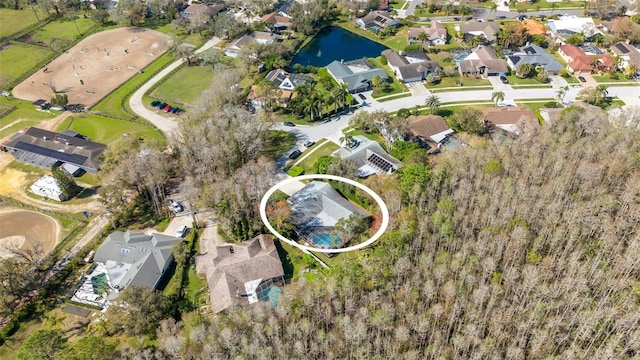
[102,61]
[21,227]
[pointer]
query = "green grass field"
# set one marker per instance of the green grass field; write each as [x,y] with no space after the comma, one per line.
[396,42]
[24,115]
[107,130]
[466,81]
[62,29]
[324,149]
[13,21]
[17,59]
[111,104]
[186,85]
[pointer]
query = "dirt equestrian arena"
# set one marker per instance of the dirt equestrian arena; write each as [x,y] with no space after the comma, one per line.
[21,228]
[96,66]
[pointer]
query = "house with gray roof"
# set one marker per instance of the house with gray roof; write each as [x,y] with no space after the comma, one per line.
[315,211]
[261,37]
[536,56]
[242,274]
[482,61]
[377,20]
[357,75]
[488,29]
[49,149]
[134,258]
[369,156]
[412,66]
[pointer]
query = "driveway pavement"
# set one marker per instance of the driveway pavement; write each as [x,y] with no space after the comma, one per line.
[417,88]
[498,85]
[165,124]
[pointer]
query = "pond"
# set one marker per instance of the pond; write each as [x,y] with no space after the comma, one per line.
[335,43]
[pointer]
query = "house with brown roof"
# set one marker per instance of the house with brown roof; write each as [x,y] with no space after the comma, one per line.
[209,10]
[242,274]
[276,22]
[580,62]
[431,130]
[475,28]
[436,34]
[628,54]
[482,61]
[513,120]
[376,21]
[233,50]
[534,27]
[412,66]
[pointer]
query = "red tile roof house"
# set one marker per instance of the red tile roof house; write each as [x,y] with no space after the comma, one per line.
[512,120]
[580,62]
[436,34]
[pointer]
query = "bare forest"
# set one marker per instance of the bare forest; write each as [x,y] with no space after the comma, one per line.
[527,249]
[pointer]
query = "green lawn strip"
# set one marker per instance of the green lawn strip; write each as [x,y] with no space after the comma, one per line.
[464,81]
[393,97]
[571,80]
[62,29]
[186,85]
[532,86]
[607,79]
[466,88]
[14,21]
[112,104]
[325,149]
[16,59]
[514,80]
[107,130]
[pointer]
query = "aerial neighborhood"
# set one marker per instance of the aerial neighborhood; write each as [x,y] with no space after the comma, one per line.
[319,179]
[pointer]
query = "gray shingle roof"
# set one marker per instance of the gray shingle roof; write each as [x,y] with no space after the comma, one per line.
[354,80]
[363,152]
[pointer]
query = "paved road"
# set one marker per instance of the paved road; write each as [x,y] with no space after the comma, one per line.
[165,124]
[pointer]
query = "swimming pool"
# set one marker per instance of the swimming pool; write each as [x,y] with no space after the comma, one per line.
[325,241]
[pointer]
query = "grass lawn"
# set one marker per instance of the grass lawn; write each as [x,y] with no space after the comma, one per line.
[186,85]
[323,149]
[111,104]
[62,29]
[514,80]
[278,142]
[18,59]
[24,115]
[571,80]
[396,42]
[543,4]
[196,287]
[466,82]
[13,21]
[107,130]
[606,79]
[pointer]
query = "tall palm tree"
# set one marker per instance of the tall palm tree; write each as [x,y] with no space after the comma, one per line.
[561,93]
[497,96]
[423,37]
[433,102]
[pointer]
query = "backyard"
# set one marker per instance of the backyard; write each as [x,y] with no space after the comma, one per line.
[186,85]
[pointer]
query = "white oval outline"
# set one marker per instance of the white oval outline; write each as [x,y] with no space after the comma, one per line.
[376,197]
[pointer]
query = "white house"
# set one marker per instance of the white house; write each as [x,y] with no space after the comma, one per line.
[568,25]
[261,37]
[48,187]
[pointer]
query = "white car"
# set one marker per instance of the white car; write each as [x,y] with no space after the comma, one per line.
[182,231]
[176,207]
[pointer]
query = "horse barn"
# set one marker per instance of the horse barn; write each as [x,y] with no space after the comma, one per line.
[49,149]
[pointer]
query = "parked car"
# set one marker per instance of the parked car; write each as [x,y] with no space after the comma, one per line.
[362,97]
[288,123]
[295,154]
[182,231]
[504,79]
[175,206]
[309,144]
[582,79]
[161,105]
[155,103]
[167,108]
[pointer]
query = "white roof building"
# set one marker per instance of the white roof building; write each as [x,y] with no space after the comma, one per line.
[48,187]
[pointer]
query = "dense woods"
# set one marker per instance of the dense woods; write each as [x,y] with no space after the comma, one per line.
[525,249]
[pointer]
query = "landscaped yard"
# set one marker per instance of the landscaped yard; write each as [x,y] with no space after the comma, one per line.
[394,85]
[322,149]
[607,79]
[459,81]
[62,29]
[186,85]
[107,130]
[17,59]
[396,42]
[13,21]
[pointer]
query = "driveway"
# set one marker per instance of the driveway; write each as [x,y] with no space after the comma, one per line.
[498,85]
[417,88]
[558,81]
[165,124]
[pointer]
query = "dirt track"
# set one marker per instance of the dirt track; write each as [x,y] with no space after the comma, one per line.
[95,66]
[18,225]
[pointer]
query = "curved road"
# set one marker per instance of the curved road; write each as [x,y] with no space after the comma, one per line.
[165,124]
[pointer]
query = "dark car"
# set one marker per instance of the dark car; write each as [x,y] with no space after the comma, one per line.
[582,79]
[288,123]
[502,17]
[175,110]
[155,103]
[295,154]
[504,79]
[161,106]
[309,144]
[362,97]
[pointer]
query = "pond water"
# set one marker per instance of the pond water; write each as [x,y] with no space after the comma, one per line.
[335,43]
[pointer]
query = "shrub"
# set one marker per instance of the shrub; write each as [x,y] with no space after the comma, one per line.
[383,60]
[295,171]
